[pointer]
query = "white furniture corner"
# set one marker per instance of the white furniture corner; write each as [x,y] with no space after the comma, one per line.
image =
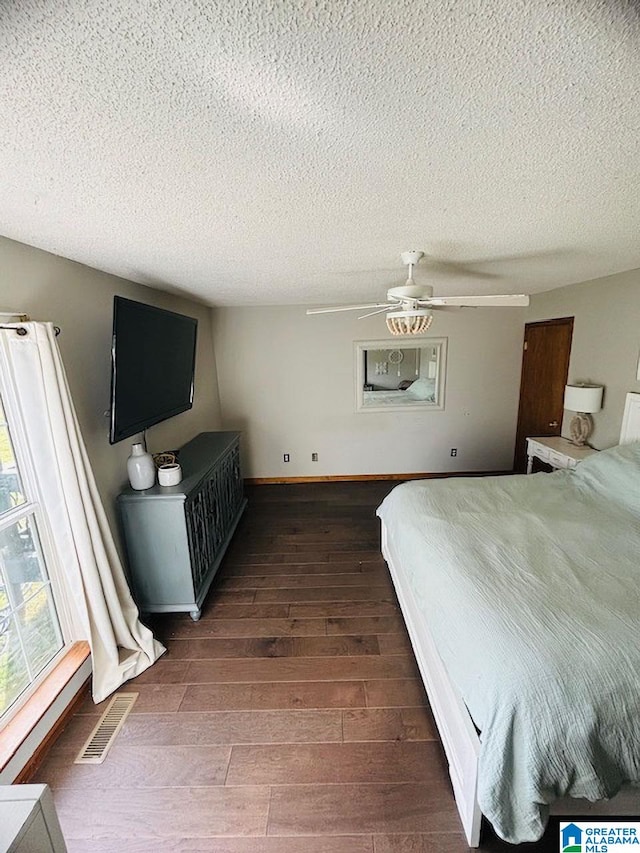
[556,451]
[459,736]
[28,820]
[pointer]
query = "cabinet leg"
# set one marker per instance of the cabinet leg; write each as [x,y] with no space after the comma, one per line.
[195,615]
[529,464]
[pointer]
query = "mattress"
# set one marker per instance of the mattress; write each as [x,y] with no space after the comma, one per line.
[530,588]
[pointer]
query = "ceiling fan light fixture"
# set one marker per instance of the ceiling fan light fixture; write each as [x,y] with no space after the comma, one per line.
[414,322]
[410,304]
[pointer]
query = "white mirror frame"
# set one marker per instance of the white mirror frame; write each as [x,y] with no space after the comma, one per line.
[360,347]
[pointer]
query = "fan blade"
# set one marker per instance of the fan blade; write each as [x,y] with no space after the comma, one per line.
[373,313]
[348,308]
[460,269]
[507,300]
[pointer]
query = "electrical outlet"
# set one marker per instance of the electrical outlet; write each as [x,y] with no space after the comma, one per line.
[454,451]
[314,457]
[286,457]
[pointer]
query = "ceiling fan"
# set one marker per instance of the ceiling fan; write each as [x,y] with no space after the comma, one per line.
[409,307]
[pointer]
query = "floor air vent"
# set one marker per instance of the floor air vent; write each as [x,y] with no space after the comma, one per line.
[99,742]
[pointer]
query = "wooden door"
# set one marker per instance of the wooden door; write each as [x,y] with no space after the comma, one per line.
[545,367]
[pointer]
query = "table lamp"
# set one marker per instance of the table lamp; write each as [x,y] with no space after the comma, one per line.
[584,400]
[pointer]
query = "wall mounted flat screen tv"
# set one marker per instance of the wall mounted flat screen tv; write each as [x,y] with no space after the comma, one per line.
[152,366]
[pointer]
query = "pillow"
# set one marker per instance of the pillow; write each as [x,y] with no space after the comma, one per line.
[613,476]
[406,383]
[422,389]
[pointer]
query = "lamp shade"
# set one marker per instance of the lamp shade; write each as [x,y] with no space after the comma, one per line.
[583,398]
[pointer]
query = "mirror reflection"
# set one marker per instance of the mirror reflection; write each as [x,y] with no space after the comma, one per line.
[399,376]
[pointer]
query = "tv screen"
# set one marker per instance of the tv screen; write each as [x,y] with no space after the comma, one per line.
[152,365]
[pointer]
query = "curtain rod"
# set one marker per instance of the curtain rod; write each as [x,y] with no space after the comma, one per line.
[20,330]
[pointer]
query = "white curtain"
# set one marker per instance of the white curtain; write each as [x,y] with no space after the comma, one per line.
[103,609]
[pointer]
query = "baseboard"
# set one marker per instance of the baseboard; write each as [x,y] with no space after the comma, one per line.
[355,478]
[32,765]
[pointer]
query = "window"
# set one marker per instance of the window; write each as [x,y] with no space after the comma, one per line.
[31,631]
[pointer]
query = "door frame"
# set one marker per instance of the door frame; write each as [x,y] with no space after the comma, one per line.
[555,321]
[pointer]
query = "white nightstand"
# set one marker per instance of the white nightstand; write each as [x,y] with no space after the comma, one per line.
[556,451]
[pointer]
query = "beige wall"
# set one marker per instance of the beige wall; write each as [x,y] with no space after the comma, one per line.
[80,300]
[287,381]
[606,342]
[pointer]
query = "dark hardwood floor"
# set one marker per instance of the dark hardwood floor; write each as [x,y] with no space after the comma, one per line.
[290,719]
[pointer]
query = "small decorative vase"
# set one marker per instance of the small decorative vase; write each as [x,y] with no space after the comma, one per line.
[169,475]
[141,468]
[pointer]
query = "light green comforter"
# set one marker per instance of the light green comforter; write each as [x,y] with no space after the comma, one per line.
[530,586]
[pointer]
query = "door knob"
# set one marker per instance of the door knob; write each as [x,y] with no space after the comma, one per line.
[553,424]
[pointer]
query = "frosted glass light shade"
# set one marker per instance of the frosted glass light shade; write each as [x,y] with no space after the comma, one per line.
[583,398]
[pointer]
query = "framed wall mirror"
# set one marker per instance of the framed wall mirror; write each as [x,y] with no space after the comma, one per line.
[400,376]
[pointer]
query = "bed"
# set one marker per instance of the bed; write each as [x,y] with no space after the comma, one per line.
[392,398]
[520,595]
[418,391]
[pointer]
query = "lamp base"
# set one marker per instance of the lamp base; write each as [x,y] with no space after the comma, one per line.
[580,428]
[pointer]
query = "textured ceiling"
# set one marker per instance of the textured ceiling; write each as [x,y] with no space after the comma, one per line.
[287,152]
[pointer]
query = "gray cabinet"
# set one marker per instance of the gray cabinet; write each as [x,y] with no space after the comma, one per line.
[176,536]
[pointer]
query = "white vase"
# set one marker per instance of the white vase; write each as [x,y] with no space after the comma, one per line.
[141,468]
